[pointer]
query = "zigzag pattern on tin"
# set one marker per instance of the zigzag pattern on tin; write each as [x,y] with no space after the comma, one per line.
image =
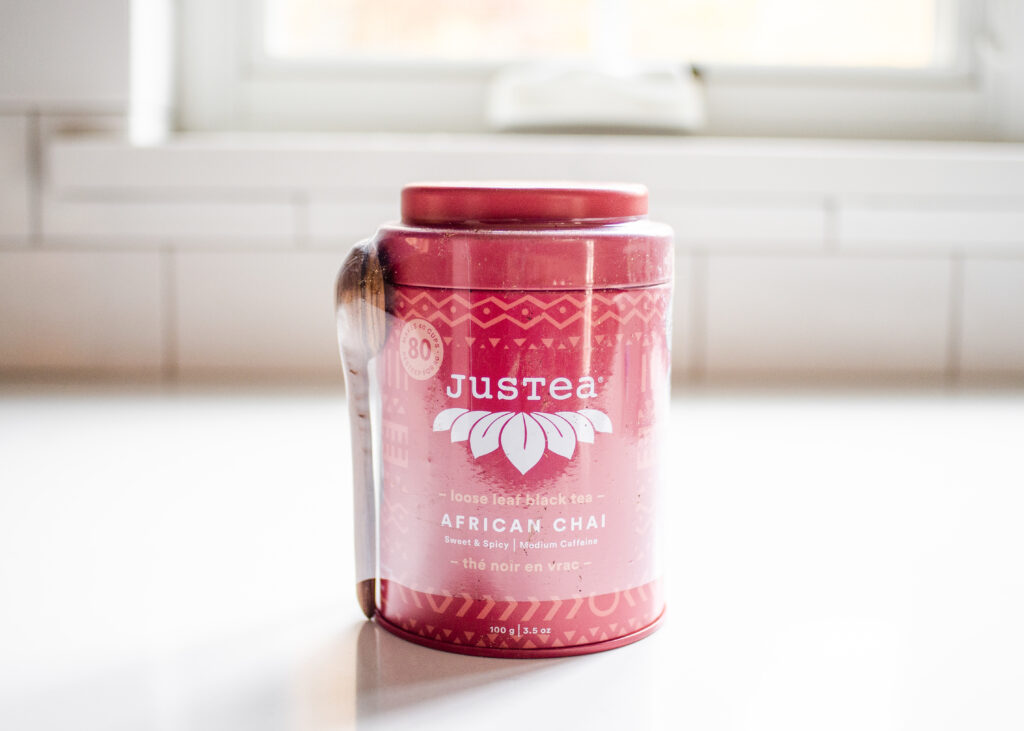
[454,309]
[577,621]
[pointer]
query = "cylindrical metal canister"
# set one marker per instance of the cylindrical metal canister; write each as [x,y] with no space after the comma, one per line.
[522,388]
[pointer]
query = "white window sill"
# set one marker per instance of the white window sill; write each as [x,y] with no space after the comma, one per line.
[667,165]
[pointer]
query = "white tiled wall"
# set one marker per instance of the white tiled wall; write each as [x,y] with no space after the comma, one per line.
[742,222]
[993,320]
[683,331]
[211,223]
[798,259]
[816,317]
[250,312]
[991,225]
[67,55]
[820,280]
[15,179]
[81,311]
[339,218]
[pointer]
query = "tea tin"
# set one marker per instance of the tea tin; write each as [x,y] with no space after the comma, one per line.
[518,393]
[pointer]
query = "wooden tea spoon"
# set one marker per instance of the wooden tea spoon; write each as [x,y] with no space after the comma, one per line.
[362,323]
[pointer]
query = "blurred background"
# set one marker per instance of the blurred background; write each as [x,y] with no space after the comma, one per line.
[179,182]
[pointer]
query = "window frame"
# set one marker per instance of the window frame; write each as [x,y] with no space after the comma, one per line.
[224,85]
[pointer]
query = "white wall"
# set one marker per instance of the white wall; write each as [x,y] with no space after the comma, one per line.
[60,55]
[797,260]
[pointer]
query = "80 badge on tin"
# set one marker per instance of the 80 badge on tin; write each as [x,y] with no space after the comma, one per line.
[421,349]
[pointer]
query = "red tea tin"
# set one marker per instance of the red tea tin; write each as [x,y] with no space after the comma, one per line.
[521,384]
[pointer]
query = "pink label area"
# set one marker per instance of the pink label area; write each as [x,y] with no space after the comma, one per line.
[558,626]
[520,452]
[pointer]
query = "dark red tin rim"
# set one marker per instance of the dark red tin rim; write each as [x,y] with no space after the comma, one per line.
[481,203]
[541,652]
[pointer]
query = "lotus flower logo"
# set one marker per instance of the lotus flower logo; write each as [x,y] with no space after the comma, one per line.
[523,436]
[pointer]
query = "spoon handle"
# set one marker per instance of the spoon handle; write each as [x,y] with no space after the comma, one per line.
[361,326]
[363,494]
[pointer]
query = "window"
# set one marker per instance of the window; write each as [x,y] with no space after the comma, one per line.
[858,68]
[819,33]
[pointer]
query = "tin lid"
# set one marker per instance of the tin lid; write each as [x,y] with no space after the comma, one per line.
[525,236]
[469,204]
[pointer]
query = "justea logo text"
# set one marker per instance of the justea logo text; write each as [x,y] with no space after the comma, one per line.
[523,436]
[508,389]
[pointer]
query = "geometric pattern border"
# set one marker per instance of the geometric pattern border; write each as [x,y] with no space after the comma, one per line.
[529,310]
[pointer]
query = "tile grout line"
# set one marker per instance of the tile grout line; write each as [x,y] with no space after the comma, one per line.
[697,365]
[34,163]
[954,344]
[300,222]
[169,317]
[830,232]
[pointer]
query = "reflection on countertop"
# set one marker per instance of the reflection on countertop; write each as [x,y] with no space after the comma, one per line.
[179,559]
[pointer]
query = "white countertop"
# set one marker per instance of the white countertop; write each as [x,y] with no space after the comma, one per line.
[182,561]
